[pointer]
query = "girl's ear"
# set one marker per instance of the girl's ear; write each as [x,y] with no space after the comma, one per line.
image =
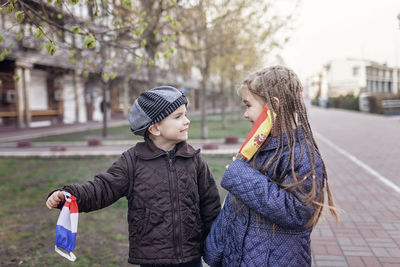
[277,102]
[154,130]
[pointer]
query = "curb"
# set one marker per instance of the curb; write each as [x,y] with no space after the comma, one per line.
[65,129]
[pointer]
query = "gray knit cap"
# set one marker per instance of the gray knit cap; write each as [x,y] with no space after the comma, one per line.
[153,106]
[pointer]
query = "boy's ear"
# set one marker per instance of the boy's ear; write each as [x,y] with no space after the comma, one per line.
[154,130]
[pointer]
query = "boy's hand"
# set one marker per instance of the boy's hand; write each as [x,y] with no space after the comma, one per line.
[55,199]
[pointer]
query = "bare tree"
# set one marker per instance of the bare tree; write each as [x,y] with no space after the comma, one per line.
[226,38]
[161,29]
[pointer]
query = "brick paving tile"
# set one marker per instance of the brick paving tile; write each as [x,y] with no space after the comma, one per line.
[324,260]
[389,260]
[397,240]
[331,263]
[359,241]
[371,261]
[380,252]
[354,261]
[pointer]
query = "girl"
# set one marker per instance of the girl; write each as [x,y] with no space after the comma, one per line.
[275,199]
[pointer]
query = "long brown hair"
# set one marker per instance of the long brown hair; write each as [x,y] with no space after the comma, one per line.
[282,83]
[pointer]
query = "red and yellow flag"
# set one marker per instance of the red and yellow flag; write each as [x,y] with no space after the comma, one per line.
[258,134]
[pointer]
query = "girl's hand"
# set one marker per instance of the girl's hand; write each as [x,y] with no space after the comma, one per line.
[233,159]
[55,199]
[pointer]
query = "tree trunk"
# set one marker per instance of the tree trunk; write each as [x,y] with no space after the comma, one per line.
[223,112]
[105,110]
[233,105]
[151,50]
[223,103]
[152,77]
[75,85]
[126,96]
[76,96]
[153,11]
[203,104]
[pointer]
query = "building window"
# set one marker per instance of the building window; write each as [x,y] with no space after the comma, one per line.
[356,70]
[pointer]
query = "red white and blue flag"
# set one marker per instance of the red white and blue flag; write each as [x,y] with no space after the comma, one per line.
[67,227]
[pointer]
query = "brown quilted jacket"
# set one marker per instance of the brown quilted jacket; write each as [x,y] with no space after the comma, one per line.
[172,201]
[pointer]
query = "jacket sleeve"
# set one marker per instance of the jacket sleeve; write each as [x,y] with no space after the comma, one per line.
[257,192]
[104,189]
[215,241]
[210,204]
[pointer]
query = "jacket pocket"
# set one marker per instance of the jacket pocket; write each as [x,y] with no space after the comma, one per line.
[192,225]
[154,219]
[137,220]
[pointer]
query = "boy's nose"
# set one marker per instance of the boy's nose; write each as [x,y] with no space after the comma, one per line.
[246,115]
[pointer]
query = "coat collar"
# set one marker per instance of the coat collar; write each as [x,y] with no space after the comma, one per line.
[148,150]
[272,142]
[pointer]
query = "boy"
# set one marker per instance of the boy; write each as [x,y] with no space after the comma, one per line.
[172,196]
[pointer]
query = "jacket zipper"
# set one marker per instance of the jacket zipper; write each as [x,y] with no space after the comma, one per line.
[175,213]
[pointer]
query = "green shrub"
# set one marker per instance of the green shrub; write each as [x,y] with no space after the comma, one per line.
[349,102]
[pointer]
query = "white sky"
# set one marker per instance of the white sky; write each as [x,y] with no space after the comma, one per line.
[329,29]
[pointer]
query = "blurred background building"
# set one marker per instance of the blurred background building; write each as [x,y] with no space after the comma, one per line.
[356,84]
[41,90]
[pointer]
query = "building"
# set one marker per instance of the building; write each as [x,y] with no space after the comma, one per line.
[355,76]
[382,79]
[37,89]
[39,93]
[376,86]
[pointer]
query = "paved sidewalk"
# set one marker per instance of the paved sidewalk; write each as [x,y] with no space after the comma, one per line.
[362,155]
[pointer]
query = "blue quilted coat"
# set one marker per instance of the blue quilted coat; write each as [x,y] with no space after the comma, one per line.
[265,226]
